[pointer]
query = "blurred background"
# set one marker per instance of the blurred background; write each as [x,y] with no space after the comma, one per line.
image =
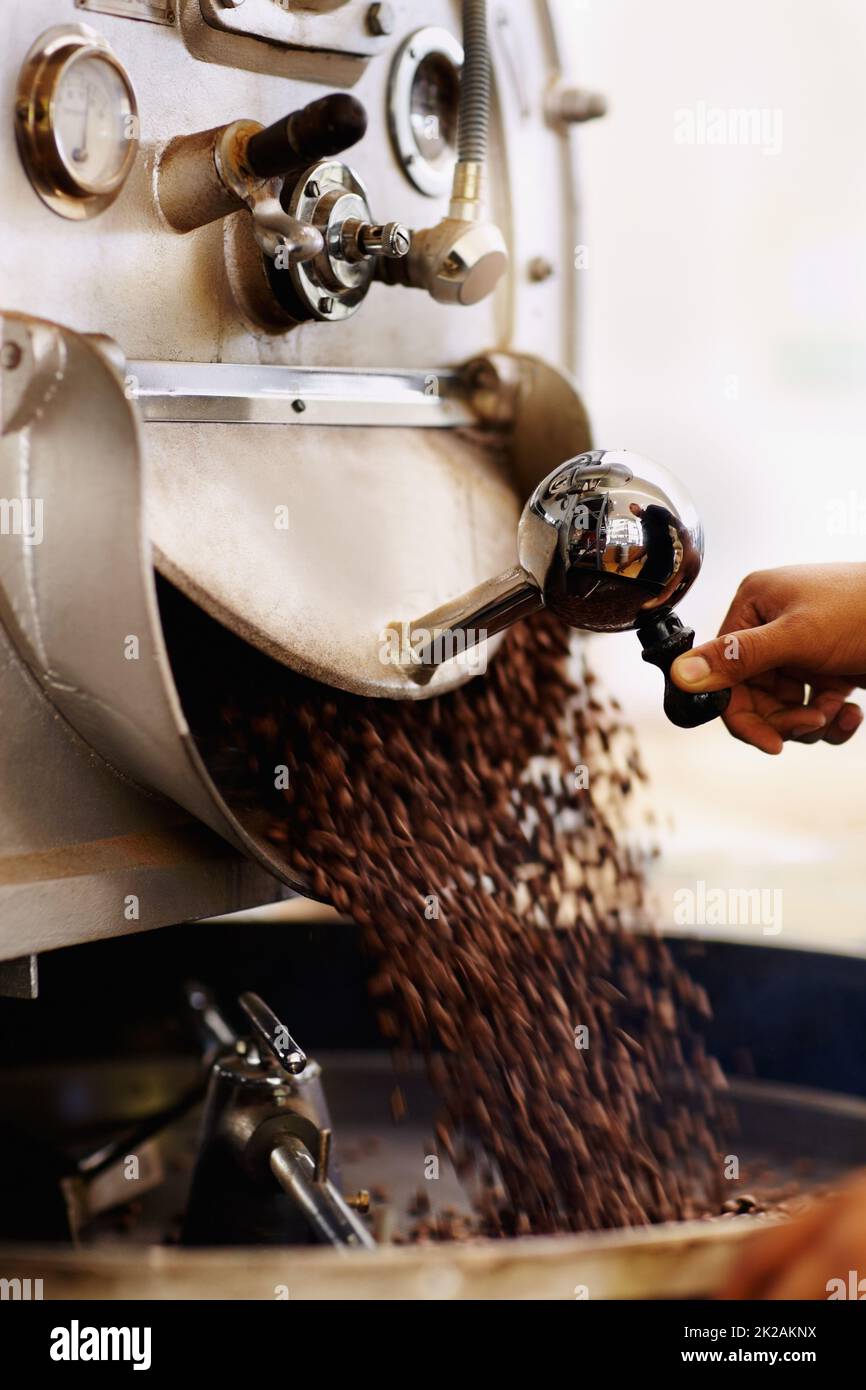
[724,333]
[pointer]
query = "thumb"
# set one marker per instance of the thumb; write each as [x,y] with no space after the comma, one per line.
[735,657]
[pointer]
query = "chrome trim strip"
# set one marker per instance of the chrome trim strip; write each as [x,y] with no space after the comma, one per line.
[155,11]
[224,393]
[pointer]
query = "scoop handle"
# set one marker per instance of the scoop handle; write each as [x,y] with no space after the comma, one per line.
[664,638]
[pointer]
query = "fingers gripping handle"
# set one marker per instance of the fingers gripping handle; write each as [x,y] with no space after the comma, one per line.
[664,638]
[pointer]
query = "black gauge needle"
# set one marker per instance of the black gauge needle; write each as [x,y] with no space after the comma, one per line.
[79,154]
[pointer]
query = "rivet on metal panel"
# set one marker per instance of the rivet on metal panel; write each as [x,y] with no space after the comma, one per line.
[381,19]
[540,269]
[10,357]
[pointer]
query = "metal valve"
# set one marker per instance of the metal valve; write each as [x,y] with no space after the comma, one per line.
[458,261]
[609,541]
[266,1168]
[331,198]
[462,259]
[214,173]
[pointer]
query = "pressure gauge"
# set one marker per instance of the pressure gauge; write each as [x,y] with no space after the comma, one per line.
[77,121]
[423,108]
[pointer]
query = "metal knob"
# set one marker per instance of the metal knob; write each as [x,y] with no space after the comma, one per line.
[609,541]
[572,105]
[322,129]
[366,240]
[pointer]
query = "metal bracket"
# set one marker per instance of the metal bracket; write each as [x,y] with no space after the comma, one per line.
[338,29]
[328,43]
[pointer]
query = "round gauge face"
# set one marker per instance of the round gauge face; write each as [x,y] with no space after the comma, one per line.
[76,121]
[434,106]
[94,122]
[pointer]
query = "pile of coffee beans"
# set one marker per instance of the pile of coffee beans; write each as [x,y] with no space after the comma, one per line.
[477,838]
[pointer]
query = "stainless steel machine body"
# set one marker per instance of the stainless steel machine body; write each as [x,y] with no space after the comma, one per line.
[302,481]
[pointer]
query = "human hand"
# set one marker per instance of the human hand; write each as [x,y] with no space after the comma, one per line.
[792,648]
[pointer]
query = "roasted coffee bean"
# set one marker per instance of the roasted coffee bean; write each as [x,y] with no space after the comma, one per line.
[502,905]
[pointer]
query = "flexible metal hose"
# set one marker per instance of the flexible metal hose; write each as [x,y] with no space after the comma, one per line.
[474,85]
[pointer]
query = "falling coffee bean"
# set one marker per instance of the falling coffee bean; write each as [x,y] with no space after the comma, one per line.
[502,906]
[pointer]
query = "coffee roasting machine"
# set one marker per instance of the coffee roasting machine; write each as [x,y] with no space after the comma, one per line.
[288,308]
[223,365]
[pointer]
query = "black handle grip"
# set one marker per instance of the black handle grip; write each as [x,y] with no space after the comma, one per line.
[664,638]
[326,127]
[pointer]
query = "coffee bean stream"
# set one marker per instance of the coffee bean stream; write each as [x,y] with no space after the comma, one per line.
[478,840]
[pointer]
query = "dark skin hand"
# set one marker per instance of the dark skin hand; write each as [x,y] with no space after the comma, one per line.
[798,1259]
[793,650]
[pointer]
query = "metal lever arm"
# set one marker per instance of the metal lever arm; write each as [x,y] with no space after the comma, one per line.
[327,1212]
[490,607]
[214,173]
[274,1034]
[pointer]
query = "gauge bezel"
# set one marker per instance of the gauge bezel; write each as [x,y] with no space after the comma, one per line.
[427,177]
[45,69]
